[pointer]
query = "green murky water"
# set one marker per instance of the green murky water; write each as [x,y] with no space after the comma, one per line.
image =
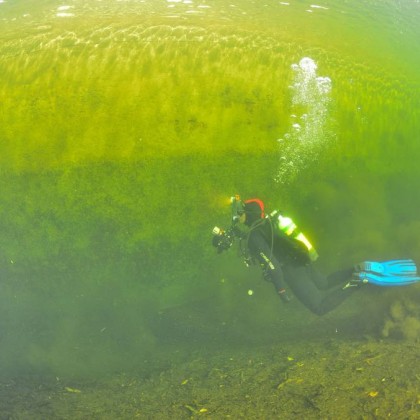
[124,125]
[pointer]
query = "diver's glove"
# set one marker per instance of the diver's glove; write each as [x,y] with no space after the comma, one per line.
[284,296]
[268,276]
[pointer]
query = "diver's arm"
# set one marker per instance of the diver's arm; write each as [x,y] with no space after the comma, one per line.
[261,250]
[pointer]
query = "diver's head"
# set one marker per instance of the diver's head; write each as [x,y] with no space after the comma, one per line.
[247,212]
[254,211]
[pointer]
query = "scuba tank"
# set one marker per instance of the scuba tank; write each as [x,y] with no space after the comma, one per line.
[285,226]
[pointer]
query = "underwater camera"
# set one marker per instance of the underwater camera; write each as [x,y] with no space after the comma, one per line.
[222,240]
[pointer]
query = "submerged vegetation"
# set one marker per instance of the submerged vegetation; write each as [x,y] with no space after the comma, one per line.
[124,131]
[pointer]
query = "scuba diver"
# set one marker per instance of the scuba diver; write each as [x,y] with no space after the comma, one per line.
[286,257]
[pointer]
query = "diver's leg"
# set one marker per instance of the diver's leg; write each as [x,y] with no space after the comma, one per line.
[333,298]
[322,282]
[341,277]
[299,281]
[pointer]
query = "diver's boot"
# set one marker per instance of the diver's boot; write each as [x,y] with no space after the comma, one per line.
[358,276]
[368,266]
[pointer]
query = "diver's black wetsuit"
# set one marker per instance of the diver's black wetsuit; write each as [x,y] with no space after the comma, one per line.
[285,261]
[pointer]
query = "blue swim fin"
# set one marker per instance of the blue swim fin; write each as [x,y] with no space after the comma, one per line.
[386,273]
